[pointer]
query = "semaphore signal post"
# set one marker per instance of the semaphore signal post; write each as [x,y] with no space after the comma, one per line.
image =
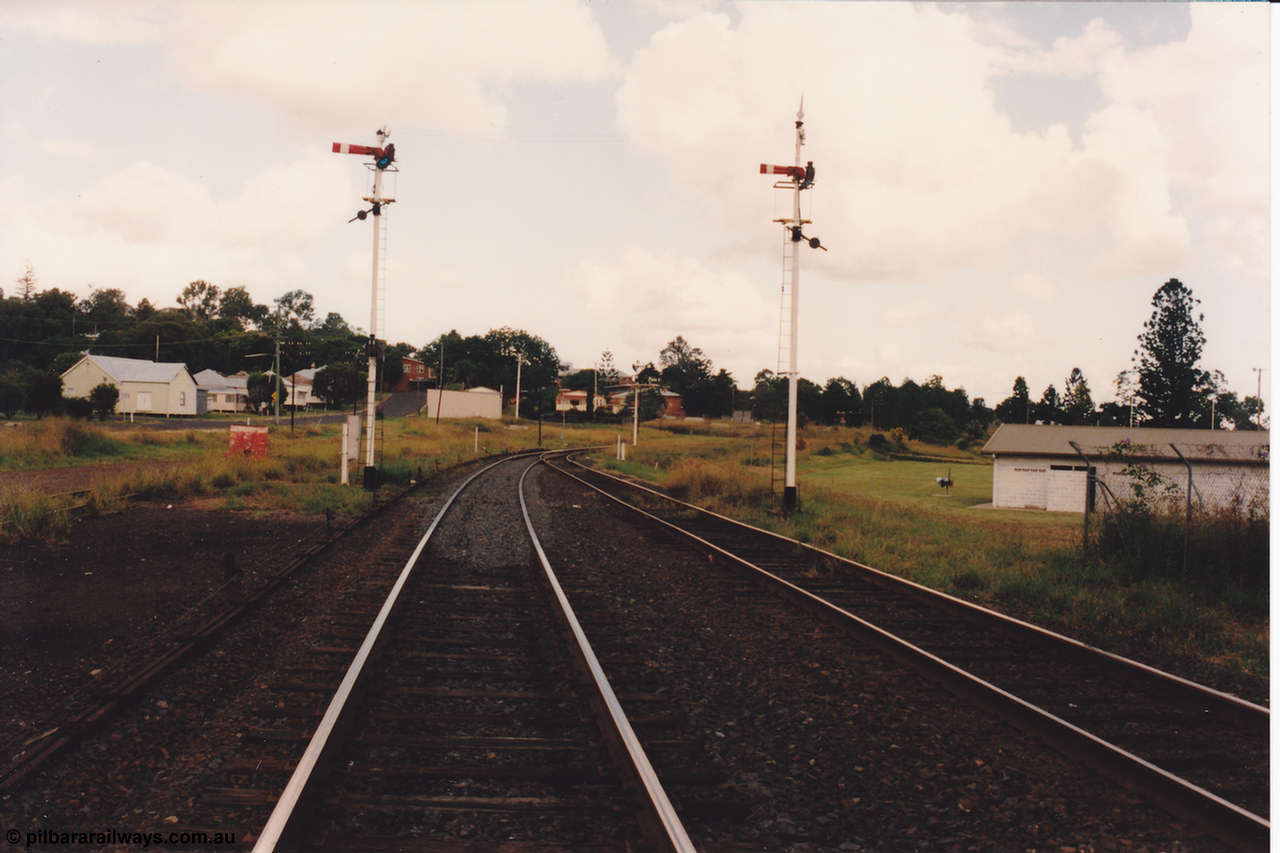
[801,178]
[384,155]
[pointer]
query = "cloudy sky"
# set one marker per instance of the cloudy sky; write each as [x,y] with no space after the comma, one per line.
[1002,187]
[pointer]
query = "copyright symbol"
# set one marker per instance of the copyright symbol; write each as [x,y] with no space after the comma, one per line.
[12,836]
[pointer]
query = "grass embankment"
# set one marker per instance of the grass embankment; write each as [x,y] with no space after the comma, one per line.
[892,515]
[300,474]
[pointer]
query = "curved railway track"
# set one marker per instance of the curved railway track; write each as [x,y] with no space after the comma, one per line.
[474,712]
[1200,753]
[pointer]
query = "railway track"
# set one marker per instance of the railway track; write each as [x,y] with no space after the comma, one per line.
[218,611]
[1200,753]
[471,714]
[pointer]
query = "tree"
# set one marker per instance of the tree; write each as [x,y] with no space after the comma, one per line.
[841,402]
[683,365]
[1049,409]
[44,393]
[12,397]
[107,309]
[933,426]
[200,300]
[295,311]
[392,366]
[769,397]
[1171,386]
[260,387]
[103,398]
[608,370]
[235,305]
[646,373]
[339,385]
[1016,408]
[27,283]
[1077,403]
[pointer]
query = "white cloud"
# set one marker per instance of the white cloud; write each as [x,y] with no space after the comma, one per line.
[649,299]
[443,65]
[120,22]
[71,148]
[919,174]
[675,9]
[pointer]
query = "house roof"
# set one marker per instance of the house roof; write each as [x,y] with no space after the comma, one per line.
[211,380]
[134,369]
[480,389]
[1149,443]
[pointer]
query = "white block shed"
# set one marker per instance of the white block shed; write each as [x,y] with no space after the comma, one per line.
[1036,467]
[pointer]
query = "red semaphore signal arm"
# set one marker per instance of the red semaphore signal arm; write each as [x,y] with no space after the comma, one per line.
[344,148]
[796,172]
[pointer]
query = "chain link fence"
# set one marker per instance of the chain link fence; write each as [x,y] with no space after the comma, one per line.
[1181,511]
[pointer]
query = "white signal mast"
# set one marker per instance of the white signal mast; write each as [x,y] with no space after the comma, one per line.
[384,155]
[801,178]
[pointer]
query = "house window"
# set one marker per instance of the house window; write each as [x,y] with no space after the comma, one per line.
[144,401]
[182,398]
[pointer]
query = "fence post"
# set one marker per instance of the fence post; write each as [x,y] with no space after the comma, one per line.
[1088,490]
[1186,539]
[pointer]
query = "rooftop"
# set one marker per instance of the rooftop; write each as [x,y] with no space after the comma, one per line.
[135,369]
[1147,442]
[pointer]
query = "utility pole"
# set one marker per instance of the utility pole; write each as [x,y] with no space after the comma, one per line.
[1258,370]
[519,361]
[440,382]
[275,372]
[801,179]
[384,155]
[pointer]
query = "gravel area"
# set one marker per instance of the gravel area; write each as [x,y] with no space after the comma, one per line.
[841,748]
[148,769]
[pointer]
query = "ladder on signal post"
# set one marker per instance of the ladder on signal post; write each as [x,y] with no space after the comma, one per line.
[777,446]
[380,297]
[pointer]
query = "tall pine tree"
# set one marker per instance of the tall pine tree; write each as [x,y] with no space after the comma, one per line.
[1171,385]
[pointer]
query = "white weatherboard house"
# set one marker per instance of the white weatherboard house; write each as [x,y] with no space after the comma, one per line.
[146,387]
[223,393]
[1035,466]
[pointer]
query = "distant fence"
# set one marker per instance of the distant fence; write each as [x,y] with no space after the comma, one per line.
[1176,513]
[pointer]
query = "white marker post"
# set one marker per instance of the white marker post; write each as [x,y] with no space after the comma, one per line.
[384,156]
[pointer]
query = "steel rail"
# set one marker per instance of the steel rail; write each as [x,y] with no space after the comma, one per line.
[302,773]
[1242,708]
[1232,823]
[658,800]
[122,691]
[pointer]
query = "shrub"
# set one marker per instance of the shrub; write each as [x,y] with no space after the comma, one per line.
[78,407]
[694,480]
[80,440]
[103,397]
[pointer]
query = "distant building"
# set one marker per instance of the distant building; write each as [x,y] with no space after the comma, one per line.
[222,393]
[417,375]
[478,402]
[146,387]
[672,403]
[299,388]
[571,401]
[1035,466]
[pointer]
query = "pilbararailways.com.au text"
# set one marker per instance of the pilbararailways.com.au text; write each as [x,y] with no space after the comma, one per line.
[72,838]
